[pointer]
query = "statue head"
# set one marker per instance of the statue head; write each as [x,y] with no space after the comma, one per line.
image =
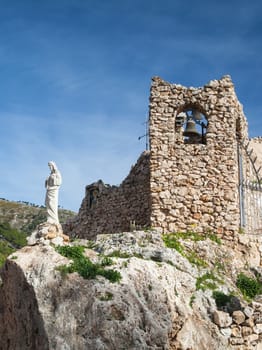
[52,166]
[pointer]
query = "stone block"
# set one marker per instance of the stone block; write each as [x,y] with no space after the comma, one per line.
[226,332]
[248,311]
[258,317]
[249,322]
[222,319]
[246,331]
[258,328]
[238,317]
[236,331]
[57,241]
[236,341]
[251,338]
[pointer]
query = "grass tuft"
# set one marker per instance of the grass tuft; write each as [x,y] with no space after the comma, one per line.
[249,287]
[207,281]
[84,265]
[171,240]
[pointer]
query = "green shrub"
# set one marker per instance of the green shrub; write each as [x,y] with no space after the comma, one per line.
[220,266]
[33,220]
[193,236]
[171,240]
[192,300]
[84,265]
[221,299]
[106,296]
[214,238]
[123,255]
[137,255]
[111,275]
[106,261]
[5,250]
[125,263]
[148,229]
[71,252]
[13,236]
[91,245]
[194,259]
[119,254]
[250,287]
[207,281]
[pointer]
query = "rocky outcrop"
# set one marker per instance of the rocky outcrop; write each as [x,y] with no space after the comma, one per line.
[156,304]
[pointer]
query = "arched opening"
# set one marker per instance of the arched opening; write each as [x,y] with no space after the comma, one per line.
[191,124]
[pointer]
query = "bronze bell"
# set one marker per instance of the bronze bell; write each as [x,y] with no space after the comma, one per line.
[196,114]
[191,130]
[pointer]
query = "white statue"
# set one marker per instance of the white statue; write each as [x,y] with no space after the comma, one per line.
[52,184]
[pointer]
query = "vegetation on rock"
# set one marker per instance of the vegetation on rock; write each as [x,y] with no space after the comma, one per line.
[16,238]
[249,287]
[10,240]
[173,240]
[18,220]
[84,266]
[221,298]
[106,296]
[5,250]
[124,255]
[118,254]
[25,216]
[173,281]
[207,281]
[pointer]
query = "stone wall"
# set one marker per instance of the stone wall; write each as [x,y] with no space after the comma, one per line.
[195,186]
[183,183]
[109,209]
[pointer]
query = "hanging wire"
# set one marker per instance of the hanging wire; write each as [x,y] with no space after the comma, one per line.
[146,135]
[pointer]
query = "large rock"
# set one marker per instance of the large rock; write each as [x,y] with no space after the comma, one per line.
[148,309]
[222,319]
[238,317]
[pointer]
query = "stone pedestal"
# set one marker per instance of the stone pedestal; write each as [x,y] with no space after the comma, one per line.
[47,232]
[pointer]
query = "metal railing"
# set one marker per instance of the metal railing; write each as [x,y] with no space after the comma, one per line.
[250,192]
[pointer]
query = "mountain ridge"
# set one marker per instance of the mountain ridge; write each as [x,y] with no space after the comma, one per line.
[18,220]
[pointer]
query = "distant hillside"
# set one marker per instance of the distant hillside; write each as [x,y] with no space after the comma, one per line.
[19,219]
[25,216]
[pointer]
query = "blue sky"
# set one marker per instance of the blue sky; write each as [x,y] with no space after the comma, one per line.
[76,74]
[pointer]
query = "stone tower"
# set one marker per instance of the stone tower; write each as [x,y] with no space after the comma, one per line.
[199,173]
[194,181]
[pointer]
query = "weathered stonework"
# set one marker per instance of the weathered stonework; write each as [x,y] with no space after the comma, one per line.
[182,183]
[196,185]
[108,209]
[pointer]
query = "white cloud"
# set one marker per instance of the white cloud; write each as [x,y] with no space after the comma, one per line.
[84,149]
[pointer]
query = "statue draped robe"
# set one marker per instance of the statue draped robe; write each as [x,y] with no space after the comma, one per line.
[51,201]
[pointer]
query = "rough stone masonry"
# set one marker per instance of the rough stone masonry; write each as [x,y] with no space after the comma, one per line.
[181,183]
